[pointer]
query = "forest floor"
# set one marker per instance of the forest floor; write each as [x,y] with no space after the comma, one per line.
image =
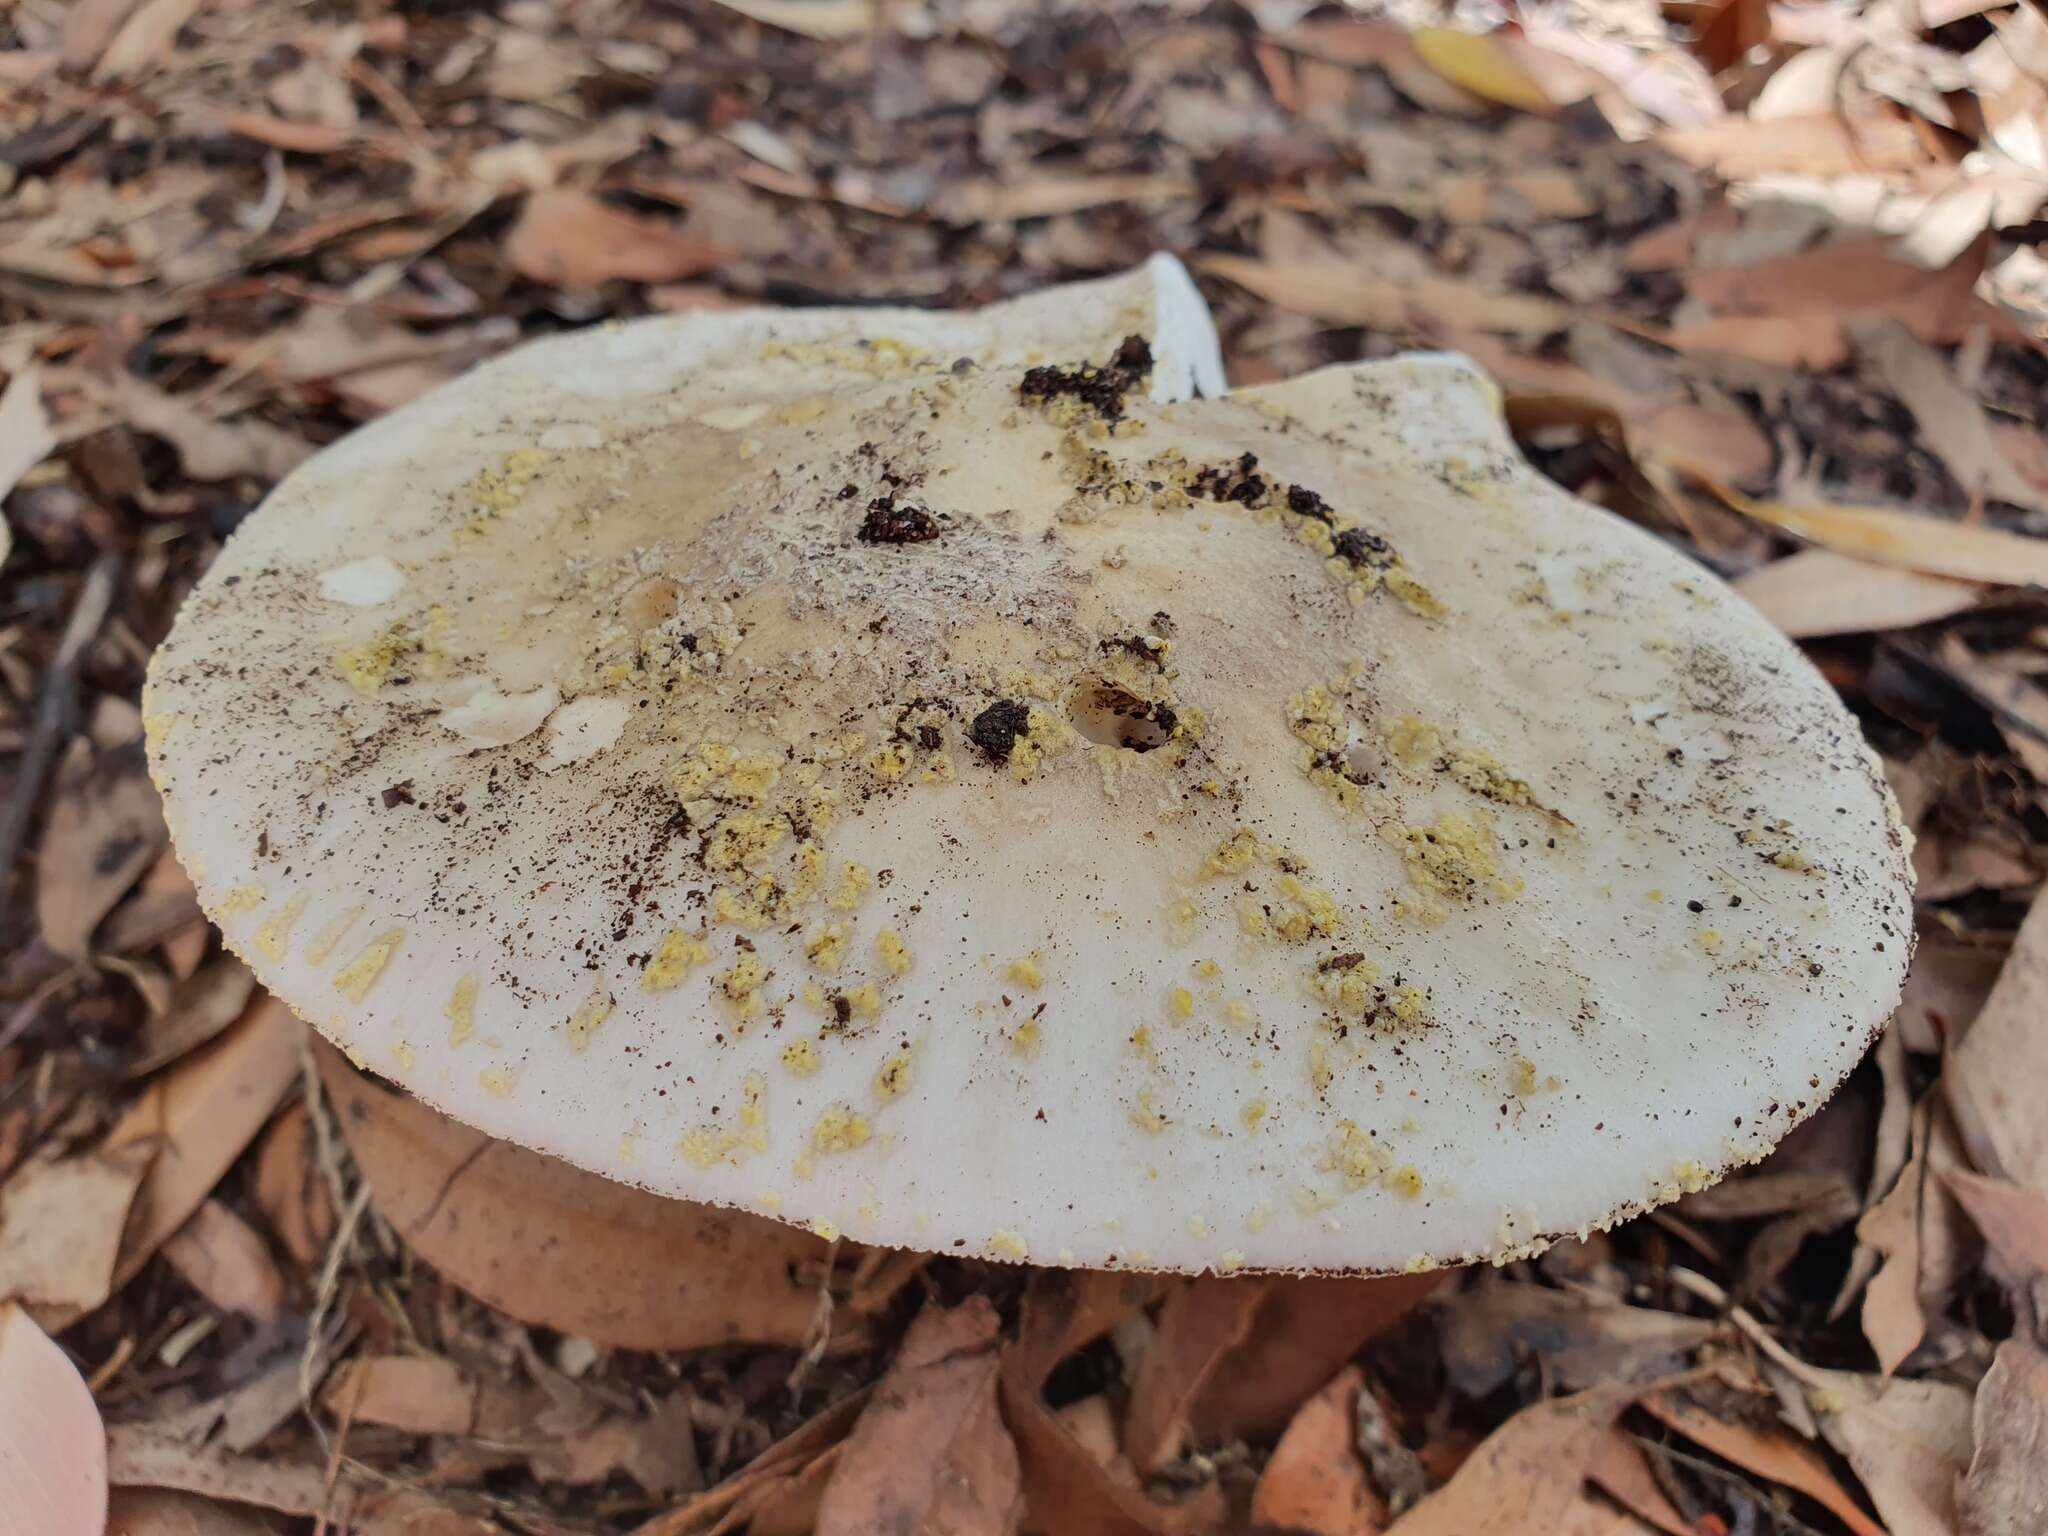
[1759,277]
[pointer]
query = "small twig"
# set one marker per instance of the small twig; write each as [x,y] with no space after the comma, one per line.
[330,1283]
[819,1334]
[56,705]
[313,1091]
[1781,1519]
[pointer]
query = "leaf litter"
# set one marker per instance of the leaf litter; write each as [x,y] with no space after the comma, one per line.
[1761,278]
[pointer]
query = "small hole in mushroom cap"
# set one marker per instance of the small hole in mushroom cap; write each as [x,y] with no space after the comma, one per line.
[1113,716]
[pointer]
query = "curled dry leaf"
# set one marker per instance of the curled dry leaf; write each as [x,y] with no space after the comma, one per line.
[2005,1492]
[197,1119]
[1769,1453]
[572,240]
[222,1258]
[1349,295]
[1303,1329]
[200,1007]
[60,1226]
[1526,1475]
[422,1394]
[1580,1339]
[162,1512]
[2014,1221]
[211,449]
[1816,592]
[1316,1481]
[53,1452]
[1994,1073]
[1932,545]
[148,1456]
[568,1250]
[1199,1324]
[1623,1472]
[290,1190]
[105,827]
[770,1481]
[930,1452]
[1067,1489]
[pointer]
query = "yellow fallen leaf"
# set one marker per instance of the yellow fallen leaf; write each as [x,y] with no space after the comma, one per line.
[1932,545]
[1484,65]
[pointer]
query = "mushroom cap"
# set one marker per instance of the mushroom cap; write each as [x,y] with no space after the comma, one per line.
[991,811]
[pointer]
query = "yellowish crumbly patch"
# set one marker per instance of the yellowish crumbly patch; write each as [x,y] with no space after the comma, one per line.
[1024,1036]
[743,840]
[1454,859]
[365,667]
[1413,741]
[754,907]
[826,948]
[1481,772]
[840,1129]
[852,887]
[865,1000]
[1231,1261]
[460,1010]
[496,1082]
[893,952]
[1009,1245]
[678,954]
[355,979]
[404,1055]
[1025,971]
[705,1146]
[1145,1117]
[893,1077]
[273,936]
[1710,940]
[1311,912]
[1234,855]
[498,491]
[242,898]
[741,984]
[1319,1073]
[1182,1002]
[1253,1115]
[1405,1181]
[801,1056]
[589,1015]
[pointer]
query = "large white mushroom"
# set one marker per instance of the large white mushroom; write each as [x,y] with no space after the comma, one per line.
[909,775]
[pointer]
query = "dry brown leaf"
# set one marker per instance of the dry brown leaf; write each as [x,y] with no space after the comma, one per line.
[2014,1221]
[198,1118]
[25,434]
[826,20]
[1769,1453]
[1623,1472]
[1067,1490]
[161,1512]
[1951,421]
[145,1456]
[766,1480]
[200,1007]
[1663,429]
[572,240]
[220,1256]
[1909,1442]
[290,1190]
[105,828]
[1199,1324]
[569,1250]
[1042,195]
[1819,145]
[279,133]
[1526,1475]
[1817,592]
[1388,46]
[1425,305]
[1315,1480]
[1931,545]
[53,1471]
[209,448]
[2005,1492]
[1812,342]
[1844,278]
[1581,1339]
[423,1394]
[1304,1329]
[930,1452]
[60,1226]
[1894,1317]
[1506,68]
[2003,1059]
[144,39]
[89,25]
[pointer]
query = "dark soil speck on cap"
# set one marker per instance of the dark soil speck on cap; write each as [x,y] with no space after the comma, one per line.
[996,729]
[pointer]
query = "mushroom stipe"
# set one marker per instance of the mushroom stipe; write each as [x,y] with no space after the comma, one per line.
[936,779]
